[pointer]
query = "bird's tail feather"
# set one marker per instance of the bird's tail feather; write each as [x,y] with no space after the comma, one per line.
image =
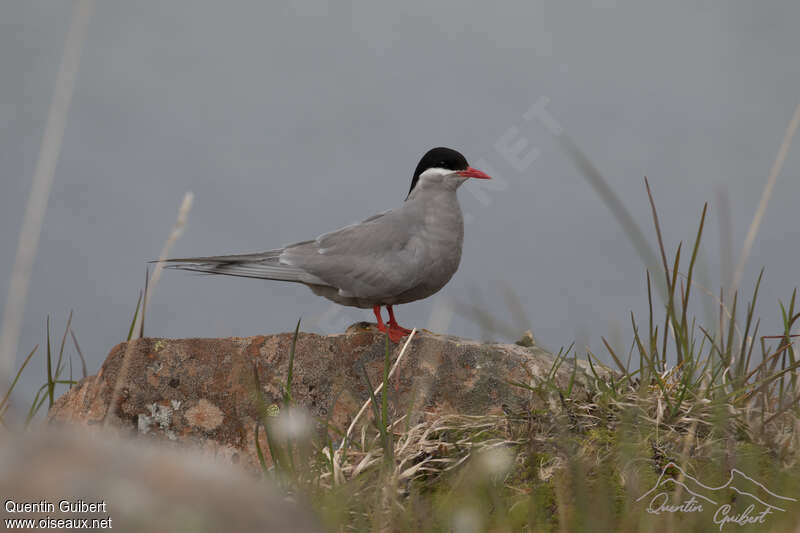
[263,265]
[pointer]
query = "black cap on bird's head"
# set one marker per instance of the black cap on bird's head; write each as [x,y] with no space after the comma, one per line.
[446,159]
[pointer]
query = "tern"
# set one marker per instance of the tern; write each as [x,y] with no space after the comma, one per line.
[395,257]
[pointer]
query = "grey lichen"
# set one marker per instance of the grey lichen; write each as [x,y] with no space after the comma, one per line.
[159,414]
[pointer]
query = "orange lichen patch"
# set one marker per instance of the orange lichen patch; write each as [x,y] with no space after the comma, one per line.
[344,409]
[360,339]
[204,415]
[153,379]
[254,348]
[275,347]
[191,370]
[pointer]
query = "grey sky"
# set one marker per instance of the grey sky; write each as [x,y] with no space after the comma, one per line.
[293,120]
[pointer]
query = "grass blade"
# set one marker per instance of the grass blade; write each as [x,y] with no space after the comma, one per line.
[135,316]
[287,394]
[144,299]
[3,406]
[80,353]
[61,348]
[385,423]
[50,381]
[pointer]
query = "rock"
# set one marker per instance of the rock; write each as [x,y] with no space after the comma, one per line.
[203,391]
[135,486]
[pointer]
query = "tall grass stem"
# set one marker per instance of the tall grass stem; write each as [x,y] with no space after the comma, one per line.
[775,170]
[42,182]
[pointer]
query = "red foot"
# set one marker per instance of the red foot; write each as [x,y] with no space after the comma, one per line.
[394,330]
[393,323]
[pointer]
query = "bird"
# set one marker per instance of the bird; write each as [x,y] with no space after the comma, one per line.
[394,257]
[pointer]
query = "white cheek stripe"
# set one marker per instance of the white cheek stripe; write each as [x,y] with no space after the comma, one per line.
[435,171]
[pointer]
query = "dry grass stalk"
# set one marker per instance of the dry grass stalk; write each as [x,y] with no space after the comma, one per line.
[40,188]
[177,231]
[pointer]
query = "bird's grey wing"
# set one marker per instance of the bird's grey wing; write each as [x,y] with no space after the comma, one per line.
[377,258]
[263,265]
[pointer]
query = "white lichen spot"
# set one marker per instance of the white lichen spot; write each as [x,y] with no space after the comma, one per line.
[162,415]
[143,424]
[204,415]
[176,404]
[159,414]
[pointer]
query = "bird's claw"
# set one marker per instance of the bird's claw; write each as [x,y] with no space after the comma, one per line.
[398,327]
[394,330]
[396,334]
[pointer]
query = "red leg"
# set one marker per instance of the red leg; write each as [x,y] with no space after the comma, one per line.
[381,326]
[393,325]
[395,332]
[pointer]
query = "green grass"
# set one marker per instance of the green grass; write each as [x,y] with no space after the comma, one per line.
[707,398]
[54,370]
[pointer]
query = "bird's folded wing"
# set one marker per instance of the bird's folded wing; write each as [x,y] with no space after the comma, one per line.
[374,259]
[377,258]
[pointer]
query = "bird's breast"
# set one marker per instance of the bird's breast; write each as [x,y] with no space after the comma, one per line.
[441,238]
